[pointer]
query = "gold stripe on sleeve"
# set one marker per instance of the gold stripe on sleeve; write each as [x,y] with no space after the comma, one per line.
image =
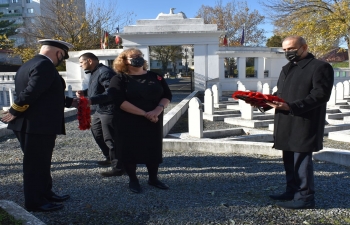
[19,108]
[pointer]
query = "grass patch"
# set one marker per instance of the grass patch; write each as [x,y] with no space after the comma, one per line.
[7,219]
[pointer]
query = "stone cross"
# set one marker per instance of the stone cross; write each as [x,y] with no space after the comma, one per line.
[195,118]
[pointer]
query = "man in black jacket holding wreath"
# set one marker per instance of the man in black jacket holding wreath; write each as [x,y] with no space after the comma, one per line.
[101,123]
[305,84]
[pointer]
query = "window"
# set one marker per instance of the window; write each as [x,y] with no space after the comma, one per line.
[231,67]
[158,64]
[28,1]
[180,63]
[14,1]
[30,10]
[192,63]
[250,67]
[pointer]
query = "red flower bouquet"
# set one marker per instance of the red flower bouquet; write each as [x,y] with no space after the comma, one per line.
[84,116]
[256,99]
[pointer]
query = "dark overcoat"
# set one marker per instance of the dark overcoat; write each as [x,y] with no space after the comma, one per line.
[306,90]
[40,101]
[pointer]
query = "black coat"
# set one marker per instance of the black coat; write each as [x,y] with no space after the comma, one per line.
[40,101]
[307,90]
[97,91]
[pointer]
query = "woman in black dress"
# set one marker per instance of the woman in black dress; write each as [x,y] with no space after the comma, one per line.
[141,97]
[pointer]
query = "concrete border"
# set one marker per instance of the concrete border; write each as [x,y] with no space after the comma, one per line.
[175,113]
[337,156]
[19,213]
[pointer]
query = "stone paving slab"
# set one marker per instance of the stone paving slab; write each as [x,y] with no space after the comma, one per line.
[343,135]
[248,123]
[218,117]
[337,115]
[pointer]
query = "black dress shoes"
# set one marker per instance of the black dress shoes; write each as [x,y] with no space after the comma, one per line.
[46,208]
[106,162]
[297,204]
[286,196]
[58,198]
[135,186]
[158,184]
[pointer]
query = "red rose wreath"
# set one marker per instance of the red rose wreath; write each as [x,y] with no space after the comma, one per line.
[256,98]
[84,114]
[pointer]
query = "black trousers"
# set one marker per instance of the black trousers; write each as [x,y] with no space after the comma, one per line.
[37,180]
[103,131]
[299,174]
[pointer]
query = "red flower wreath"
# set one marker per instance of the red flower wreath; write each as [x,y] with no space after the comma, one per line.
[84,116]
[256,98]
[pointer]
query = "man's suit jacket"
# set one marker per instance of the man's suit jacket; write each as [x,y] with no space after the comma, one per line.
[40,101]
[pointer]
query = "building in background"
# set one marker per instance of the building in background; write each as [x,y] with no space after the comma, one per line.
[24,12]
[184,66]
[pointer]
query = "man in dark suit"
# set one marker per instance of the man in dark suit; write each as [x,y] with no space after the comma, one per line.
[101,123]
[305,84]
[37,117]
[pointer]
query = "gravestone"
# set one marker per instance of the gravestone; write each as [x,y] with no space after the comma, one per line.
[346,88]
[208,102]
[195,118]
[215,95]
[274,89]
[266,89]
[259,87]
[340,91]
[246,110]
[332,99]
[70,91]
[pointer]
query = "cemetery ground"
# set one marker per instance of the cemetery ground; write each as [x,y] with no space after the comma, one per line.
[205,188]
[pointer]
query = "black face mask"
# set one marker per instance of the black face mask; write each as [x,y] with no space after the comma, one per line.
[137,62]
[292,56]
[59,61]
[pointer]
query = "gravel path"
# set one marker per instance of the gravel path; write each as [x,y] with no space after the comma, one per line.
[204,188]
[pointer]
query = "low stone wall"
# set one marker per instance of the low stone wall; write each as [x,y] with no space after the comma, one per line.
[175,113]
